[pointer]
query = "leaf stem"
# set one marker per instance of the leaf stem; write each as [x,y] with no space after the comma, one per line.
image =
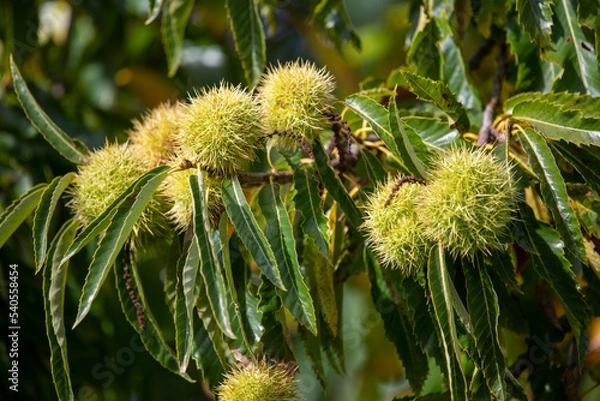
[487,127]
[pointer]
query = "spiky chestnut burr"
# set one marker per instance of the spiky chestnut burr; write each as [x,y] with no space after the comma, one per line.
[176,190]
[392,225]
[153,137]
[469,202]
[220,129]
[259,382]
[295,97]
[108,173]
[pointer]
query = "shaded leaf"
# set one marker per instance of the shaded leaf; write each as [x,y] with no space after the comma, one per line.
[43,216]
[308,202]
[547,252]
[440,95]
[205,356]
[64,144]
[272,316]
[331,19]
[408,143]
[397,326]
[174,20]
[249,231]
[535,18]
[438,281]
[554,191]
[121,225]
[424,54]
[584,160]
[375,170]
[297,298]
[554,123]
[335,187]
[53,290]
[210,268]
[248,37]
[151,336]
[434,132]
[484,310]
[18,211]
[574,52]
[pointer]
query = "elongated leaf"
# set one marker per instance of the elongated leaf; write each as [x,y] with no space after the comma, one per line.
[308,201]
[297,299]
[535,17]
[423,53]
[186,296]
[332,22]
[69,148]
[116,234]
[18,211]
[375,170]
[151,336]
[587,105]
[554,191]
[206,356]
[547,250]
[43,216]
[454,68]
[584,161]
[210,268]
[205,313]
[272,315]
[440,95]
[483,307]
[154,8]
[438,281]
[249,231]
[335,187]
[376,115]
[397,326]
[554,123]
[410,146]
[574,52]
[53,289]
[174,20]
[248,37]
[434,132]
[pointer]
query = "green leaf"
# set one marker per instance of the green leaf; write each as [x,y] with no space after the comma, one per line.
[335,187]
[434,132]
[574,52]
[205,313]
[210,268]
[397,326]
[535,18]
[206,356]
[154,8]
[308,202]
[454,69]
[584,161]
[440,95]
[424,54]
[174,20]
[18,211]
[408,143]
[151,336]
[554,191]
[71,150]
[53,290]
[121,225]
[547,251]
[587,105]
[249,231]
[483,307]
[248,37]
[504,269]
[554,123]
[186,296]
[272,315]
[43,216]
[375,170]
[297,298]
[438,281]
[332,21]
[376,115]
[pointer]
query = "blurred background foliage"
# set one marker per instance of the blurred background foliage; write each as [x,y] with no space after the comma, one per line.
[95,65]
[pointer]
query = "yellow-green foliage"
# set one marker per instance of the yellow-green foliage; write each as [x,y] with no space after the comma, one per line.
[394,231]
[469,201]
[176,190]
[108,173]
[153,137]
[294,98]
[259,382]
[220,129]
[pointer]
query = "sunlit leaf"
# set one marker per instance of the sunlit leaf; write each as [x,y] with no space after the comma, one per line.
[18,211]
[535,17]
[175,16]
